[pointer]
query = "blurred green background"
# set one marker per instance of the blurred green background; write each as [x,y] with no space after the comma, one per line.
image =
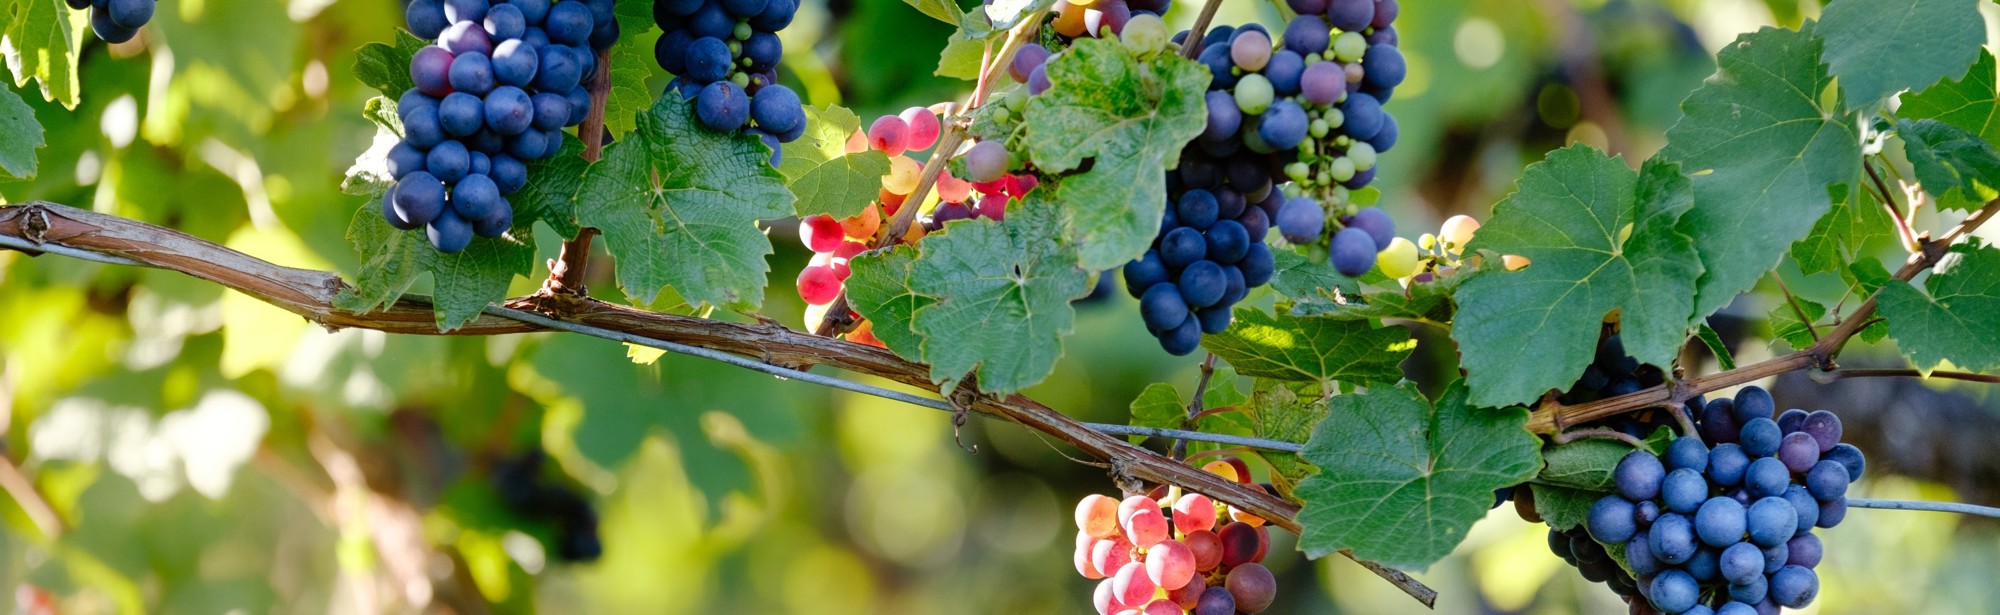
[205,453]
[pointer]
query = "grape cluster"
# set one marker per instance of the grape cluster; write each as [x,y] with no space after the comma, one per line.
[1189,559]
[116,21]
[519,483]
[724,56]
[1722,522]
[986,194]
[496,90]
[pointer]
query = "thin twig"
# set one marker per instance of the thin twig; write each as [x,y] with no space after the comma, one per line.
[1179,449]
[1824,377]
[1796,309]
[1950,507]
[1191,48]
[569,269]
[24,493]
[1573,435]
[1909,236]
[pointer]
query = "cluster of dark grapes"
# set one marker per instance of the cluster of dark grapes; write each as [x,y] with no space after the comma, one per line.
[522,489]
[1196,561]
[116,21]
[1612,373]
[1722,522]
[496,90]
[724,56]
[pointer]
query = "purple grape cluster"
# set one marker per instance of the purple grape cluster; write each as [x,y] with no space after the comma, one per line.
[496,90]
[724,56]
[116,21]
[1722,523]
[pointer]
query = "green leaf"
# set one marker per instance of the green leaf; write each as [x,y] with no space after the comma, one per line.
[1278,412]
[1130,119]
[369,175]
[942,10]
[1841,235]
[1947,157]
[1958,320]
[1762,151]
[1317,350]
[878,287]
[550,195]
[679,206]
[961,56]
[43,42]
[1867,275]
[1312,283]
[1583,464]
[1877,47]
[1003,291]
[1599,238]
[1158,406]
[1563,508]
[466,282]
[1786,326]
[386,67]
[631,63]
[1713,340]
[827,179]
[1400,480]
[1969,102]
[20,136]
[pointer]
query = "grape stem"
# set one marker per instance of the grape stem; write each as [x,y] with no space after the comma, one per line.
[1194,406]
[1552,417]
[839,315]
[1191,48]
[1825,377]
[1909,236]
[1573,435]
[1797,310]
[568,270]
[1950,507]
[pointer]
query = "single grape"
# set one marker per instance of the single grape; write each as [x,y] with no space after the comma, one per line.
[420,198]
[1378,225]
[1399,260]
[1721,522]
[1754,402]
[1217,600]
[1284,126]
[1827,481]
[509,111]
[1766,477]
[1672,539]
[389,214]
[1143,273]
[461,114]
[1206,547]
[515,62]
[1727,464]
[1687,452]
[1250,49]
[1197,209]
[1241,543]
[1611,520]
[1038,80]
[430,69]
[1350,15]
[404,159]
[1130,584]
[1363,116]
[449,162]
[1638,476]
[1740,562]
[1832,512]
[1639,556]
[1306,35]
[1258,266]
[1825,429]
[708,60]
[1798,451]
[1849,456]
[1805,506]
[1384,67]
[1146,528]
[476,197]
[568,23]
[1252,586]
[505,21]
[1097,516]
[1353,252]
[1162,307]
[425,18]
[1228,242]
[1760,436]
[1224,118]
[1752,592]
[548,111]
[508,172]
[722,106]
[1674,591]
[1202,284]
[464,37]
[1169,565]
[1684,491]
[496,225]
[986,161]
[1301,220]
[1144,35]
[818,285]
[1188,596]
[1794,587]
[1182,247]
[904,175]
[1026,60]
[472,73]
[449,233]
[1772,521]
[1323,83]
[1804,551]
[922,126]
[1791,421]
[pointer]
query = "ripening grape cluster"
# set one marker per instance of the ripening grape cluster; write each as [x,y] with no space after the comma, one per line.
[724,56]
[1722,523]
[984,193]
[496,90]
[116,21]
[1171,554]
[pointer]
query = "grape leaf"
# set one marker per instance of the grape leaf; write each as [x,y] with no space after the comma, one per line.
[369,175]
[43,42]
[386,67]
[1946,157]
[1563,508]
[1317,350]
[942,10]
[1709,337]
[1312,283]
[1762,151]
[20,136]
[878,288]
[1428,301]
[679,205]
[550,195]
[826,178]
[1279,412]
[1955,318]
[1877,47]
[1843,233]
[1400,480]
[1003,291]
[1786,326]
[962,55]
[466,282]
[1158,406]
[1131,119]
[1587,463]
[1600,238]
[630,61]
[1969,102]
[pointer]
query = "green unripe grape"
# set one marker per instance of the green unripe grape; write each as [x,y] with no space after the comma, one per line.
[1339,197]
[1319,128]
[1399,260]
[1017,99]
[1144,35]
[1292,191]
[741,79]
[735,48]
[1314,58]
[1342,169]
[1344,141]
[1002,115]
[1363,155]
[1298,171]
[1254,94]
[1255,141]
[1350,46]
[743,31]
[1334,118]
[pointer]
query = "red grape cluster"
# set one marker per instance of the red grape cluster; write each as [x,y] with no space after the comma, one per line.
[1170,553]
[835,241]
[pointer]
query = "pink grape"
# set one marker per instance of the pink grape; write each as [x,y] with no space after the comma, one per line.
[1084,541]
[1110,554]
[1102,599]
[1206,548]
[986,161]
[1162,606]
[1169,565]
[819,285]
[951,189]
[1241,544]
[1097,515]
[1132,505]
[991,207]
[1189,595]
[821,233]
[1251,50]
[1193,512]
[1253,586]
[889,135]
[1146,528]
[923,125]
[1130,586]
